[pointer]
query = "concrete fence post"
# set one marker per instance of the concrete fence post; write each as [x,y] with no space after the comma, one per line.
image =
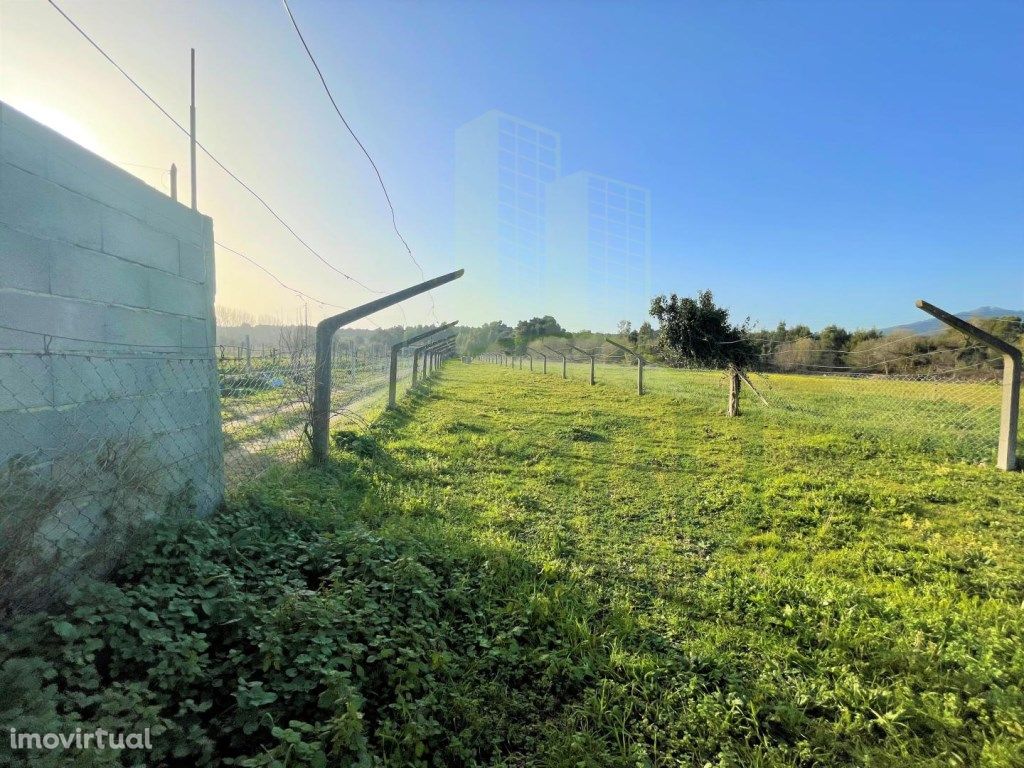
[325,330]
[565,372]
[640,362]
[429,353]
[593,379]
[1009,413]
[396,348]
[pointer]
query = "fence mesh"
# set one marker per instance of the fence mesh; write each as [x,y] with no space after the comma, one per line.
[97,442]
[266,399]
[94,444]
[945,402]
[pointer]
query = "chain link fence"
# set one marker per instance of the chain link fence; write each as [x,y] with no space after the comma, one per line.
[96,442]
[266,399]
[943,402]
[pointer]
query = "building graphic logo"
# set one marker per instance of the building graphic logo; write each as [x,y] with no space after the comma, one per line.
[577,246]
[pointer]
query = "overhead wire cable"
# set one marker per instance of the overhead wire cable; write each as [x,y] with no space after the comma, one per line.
[352,133]
[209,154]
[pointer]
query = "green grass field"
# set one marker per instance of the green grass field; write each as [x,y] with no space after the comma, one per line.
[950,419]
[514,569]
[777,591]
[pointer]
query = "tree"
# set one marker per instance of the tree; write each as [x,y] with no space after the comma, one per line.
[1008,328]
[805,352]
[834,343]
[536,328]
[473,341]
[645,334]
[699,330]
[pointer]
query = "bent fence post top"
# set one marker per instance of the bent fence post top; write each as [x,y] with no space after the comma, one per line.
[325,330]
[624,348]
[640,362]
[552,349]
[441,352]
[420,353]
[428,350]
[396,348]
[592,356]
[565,375]
[543,357]
[1006,456]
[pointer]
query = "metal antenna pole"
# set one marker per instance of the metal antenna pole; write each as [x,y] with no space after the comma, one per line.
[192,130]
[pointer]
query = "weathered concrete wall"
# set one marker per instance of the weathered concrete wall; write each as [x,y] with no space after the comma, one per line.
[106,349]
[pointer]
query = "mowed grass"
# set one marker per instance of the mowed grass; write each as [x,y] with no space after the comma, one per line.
[736,591]
[950,418]
[514,569]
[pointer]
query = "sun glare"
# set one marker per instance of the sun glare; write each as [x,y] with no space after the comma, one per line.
[62,123]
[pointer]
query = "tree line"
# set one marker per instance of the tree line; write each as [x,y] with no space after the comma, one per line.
[695,331]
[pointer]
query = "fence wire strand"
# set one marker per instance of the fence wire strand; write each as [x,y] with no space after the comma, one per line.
[97,442]
[945,402]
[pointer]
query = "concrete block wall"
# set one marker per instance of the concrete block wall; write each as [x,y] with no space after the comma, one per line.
[107,328]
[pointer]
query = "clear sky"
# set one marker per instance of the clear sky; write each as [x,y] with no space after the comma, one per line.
[809,161]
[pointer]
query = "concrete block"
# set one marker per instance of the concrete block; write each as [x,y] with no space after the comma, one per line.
[195,264]
[91,176]
[176,218]
[184,446]
[175,295]
[18,341]
[35,205]
[173,374]
[24,261]
[131,239]
[208,245]
[195,336]
[36,433]
[57,316]
[177,411]
[88,378]
[124,326]
[21,146]
[81,273]
[25,382]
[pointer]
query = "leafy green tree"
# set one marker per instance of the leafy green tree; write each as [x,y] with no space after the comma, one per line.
[699,330]
[1008,328]
[645,333]
[474,341]
[535,328]
[834,342]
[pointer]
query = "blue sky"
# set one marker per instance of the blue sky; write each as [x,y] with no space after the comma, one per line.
[811,161]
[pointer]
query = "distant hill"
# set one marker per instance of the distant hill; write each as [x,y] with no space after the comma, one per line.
[931,325]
